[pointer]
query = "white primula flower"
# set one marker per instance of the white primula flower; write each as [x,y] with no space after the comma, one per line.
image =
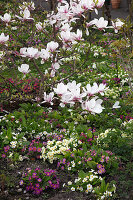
[13,144]
[89,187]
[69,183]
[24,69]
[72,188]
[91,177]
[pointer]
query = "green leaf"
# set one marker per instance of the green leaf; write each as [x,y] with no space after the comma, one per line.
[92,164]
[82,174]
[103,186]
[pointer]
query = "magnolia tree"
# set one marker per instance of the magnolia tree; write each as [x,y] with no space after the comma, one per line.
[63,39]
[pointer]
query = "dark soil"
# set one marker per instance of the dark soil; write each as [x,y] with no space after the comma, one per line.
[10,175]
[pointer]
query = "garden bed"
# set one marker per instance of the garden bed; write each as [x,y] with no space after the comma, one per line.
[66,104]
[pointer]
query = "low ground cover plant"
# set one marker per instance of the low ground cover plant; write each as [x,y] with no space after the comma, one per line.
[66,103]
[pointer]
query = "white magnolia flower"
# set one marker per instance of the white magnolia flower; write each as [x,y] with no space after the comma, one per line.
[87,4]
[3,38]
[117,25]
[45,55]
[93,106]
[6,18]
[30,52]
[61,89]
[100,23]
[116,105]
[73,86]
[99,3]
[52,46]
[66,27]
[39,26]
[48,98]
[67,36]
[25,14]
[78,36]
[90,91]
[66,99]
[24,69]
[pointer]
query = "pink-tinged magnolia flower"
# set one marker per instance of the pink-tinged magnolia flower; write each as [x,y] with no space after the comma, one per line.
[61,89]
[52,73]
[117,25]
[99,3]
[73,86]
[77,9]
[66,27]
[30,52]
[3,38]
[63,9]
[94,21]
[24,69]
[44,54]
[54,68]
[29,5]
[25,14]
[90,91]
[101,89]
[101,23]
[87,4]
[66,36]
[6,18]
[78,36]
[76,96]
[48,98]
[65,99]
[52,46]
[39,26]
[93,106]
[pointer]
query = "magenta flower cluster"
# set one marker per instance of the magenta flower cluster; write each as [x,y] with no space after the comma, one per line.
[6,149]
[37,180]
[85,138]
[35,148]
